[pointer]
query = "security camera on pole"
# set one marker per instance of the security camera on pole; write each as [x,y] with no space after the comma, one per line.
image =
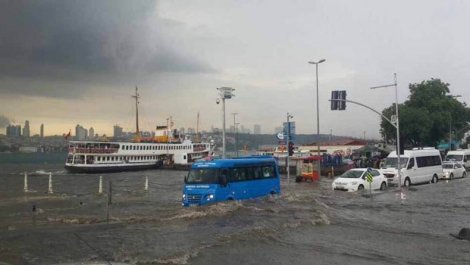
[224,93]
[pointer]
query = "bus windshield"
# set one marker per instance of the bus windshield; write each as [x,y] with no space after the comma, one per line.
[391,162]
[202,176]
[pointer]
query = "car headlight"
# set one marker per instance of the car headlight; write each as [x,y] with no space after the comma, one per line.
[354,183]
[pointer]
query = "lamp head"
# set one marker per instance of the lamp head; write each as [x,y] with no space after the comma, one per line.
[217,100]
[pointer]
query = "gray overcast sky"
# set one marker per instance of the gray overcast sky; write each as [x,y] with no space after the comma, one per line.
[64,63]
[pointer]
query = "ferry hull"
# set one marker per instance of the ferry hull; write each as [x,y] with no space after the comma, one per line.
[110,168]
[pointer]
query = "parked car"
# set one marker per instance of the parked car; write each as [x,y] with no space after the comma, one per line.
[453,170]
[355,180]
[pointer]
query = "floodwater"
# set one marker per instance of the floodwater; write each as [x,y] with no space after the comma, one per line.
[308,224]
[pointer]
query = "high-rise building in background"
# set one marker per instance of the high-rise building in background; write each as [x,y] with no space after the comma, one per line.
[91,133]
[26,131]
[14,130]
[257,129]
[41,130]
[117,131]
[80,132]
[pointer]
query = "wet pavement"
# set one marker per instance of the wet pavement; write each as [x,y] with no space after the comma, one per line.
[307,224]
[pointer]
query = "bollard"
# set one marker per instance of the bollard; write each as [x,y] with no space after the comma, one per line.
[34,214]
[110,194]
[50,191]
[100,186]
[146,186]
[25,181]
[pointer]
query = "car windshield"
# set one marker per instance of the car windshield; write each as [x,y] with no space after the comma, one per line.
[352,174]
[391,162]
[454,157]
[202,176]
[448,166]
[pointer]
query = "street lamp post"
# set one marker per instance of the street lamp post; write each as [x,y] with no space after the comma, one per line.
[450,123]
[289,116]
[236,137]
[397,127]
[236,132]
[318,106]
[224,93]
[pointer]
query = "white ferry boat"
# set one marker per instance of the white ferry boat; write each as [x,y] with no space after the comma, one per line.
[104,156]
[99,156]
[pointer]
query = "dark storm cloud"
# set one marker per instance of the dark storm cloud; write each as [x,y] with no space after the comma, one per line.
[4,121]
[64,40]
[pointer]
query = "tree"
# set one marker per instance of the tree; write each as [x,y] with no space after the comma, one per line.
[428,116]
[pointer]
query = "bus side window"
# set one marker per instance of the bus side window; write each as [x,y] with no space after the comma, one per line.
[223,179]
[268,171]
[250,173]
[257,173]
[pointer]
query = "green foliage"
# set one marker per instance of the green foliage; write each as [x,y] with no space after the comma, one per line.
[428,116]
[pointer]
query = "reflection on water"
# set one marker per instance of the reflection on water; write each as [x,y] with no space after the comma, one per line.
[307,222]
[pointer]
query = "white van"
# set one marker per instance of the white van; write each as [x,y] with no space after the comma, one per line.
[461,156]
[417,166]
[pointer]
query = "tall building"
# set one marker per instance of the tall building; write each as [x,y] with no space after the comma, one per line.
[41,130]
[117,131]
[26,131]
[91,133]
[14,130]
[257,129]
[80,132]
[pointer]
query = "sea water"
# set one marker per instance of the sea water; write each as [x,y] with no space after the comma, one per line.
[307,224]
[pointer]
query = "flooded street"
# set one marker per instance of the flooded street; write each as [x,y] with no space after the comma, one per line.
[308,224]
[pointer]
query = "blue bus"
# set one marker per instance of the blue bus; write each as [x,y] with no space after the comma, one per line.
[230,179]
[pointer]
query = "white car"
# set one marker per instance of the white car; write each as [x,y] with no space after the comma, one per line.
[453,170]
[355,179]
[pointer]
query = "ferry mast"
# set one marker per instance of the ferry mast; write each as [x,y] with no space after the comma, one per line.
[136,96]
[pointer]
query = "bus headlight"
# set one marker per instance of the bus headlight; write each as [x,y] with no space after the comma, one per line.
[210,197]
[184,196]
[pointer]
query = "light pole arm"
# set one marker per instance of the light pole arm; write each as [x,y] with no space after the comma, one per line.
[365,106]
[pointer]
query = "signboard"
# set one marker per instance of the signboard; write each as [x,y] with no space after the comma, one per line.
[280,136]
[369,176]
[286,128]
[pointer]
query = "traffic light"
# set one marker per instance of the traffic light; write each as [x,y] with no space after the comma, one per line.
[334,97]
[342,103]
[338,100]
[290,148]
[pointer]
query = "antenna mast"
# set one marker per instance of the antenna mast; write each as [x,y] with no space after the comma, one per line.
[136,96]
